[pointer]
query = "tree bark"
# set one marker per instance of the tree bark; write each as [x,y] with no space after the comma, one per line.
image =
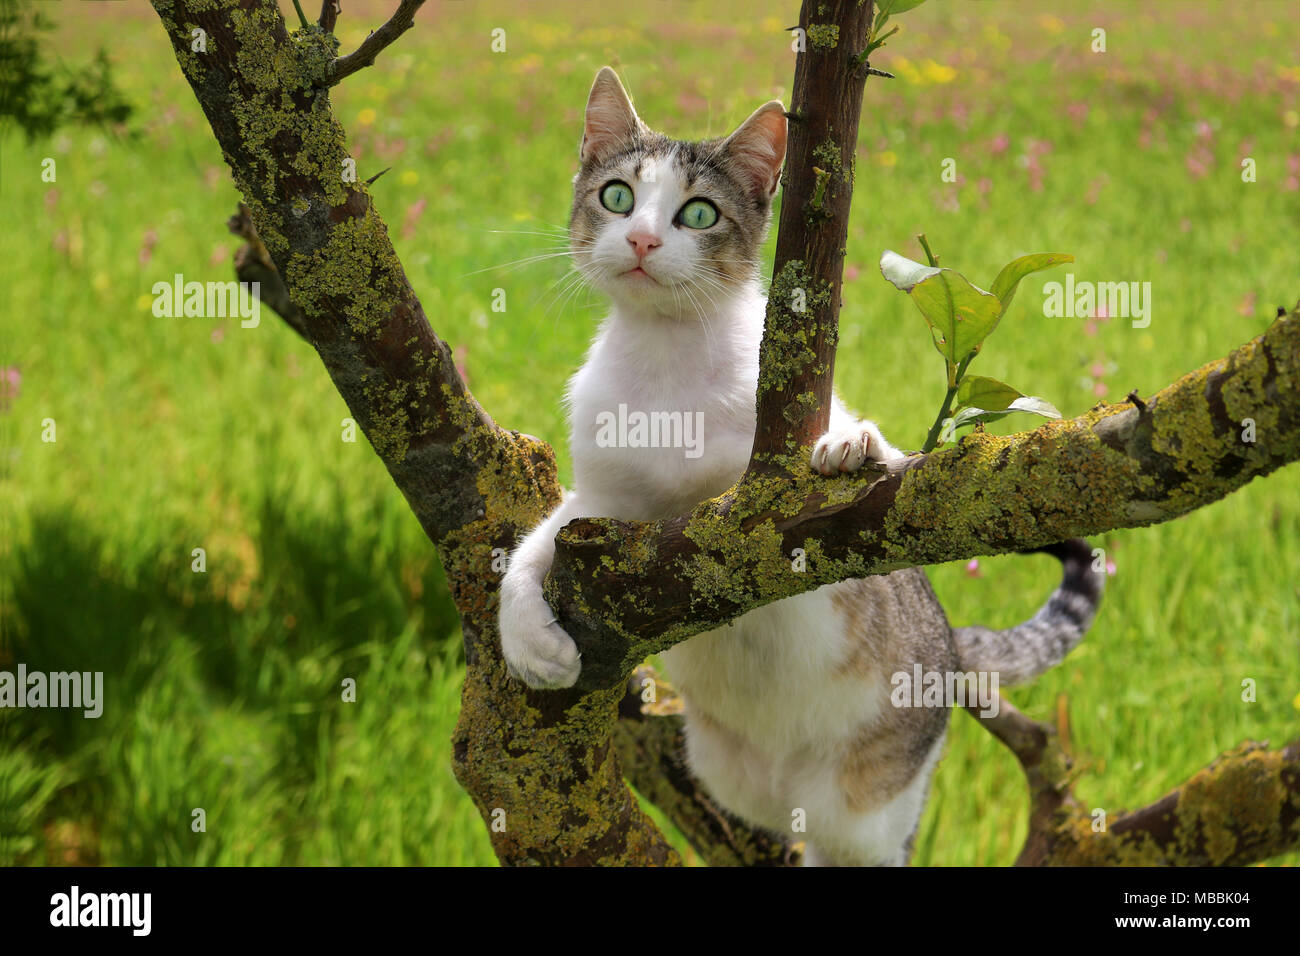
[1241,809]
[546,769]
[803,305]
[542,766]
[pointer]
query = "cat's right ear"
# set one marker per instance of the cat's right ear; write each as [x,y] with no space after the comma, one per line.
[610,121]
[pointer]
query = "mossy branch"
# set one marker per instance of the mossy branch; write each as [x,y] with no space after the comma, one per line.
[797,357]
[1241,809]
[624,590]
[545,768]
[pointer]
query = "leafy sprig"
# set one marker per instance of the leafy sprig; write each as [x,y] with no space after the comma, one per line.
[961,316]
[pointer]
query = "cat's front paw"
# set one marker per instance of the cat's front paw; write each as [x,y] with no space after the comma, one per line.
[845,449]
[537,650]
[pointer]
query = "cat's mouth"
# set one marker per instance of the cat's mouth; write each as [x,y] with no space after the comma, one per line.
[639,273]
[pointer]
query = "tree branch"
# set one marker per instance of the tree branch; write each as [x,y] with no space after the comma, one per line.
[544,766]
[253,264]
[1047,768]
[1241,809]
[363,56]
[797,357]
[624,590]
[329,15]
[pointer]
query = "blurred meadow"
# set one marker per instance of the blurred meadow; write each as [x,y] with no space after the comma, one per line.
[222,688]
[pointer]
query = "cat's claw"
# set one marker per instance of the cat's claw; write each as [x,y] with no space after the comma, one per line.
[845,449]
[539,653]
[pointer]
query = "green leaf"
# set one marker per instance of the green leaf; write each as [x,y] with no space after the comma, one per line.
[947,431]
[1004,286]
[1035,406]
[960,315]
[986,393]
[903,272]
[1026,403]
[968,416]
[892,7]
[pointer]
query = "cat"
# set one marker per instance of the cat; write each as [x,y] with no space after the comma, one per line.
[787,709]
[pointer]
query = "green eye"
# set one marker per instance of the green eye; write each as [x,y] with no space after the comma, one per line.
[617,197]
[699,214]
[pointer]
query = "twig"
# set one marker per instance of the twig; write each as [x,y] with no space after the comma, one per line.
[329,15]
[364,55]
[1047,769]
[932,437]
[253,264]
[930,256]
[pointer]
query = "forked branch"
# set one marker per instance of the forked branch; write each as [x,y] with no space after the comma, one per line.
[364,55]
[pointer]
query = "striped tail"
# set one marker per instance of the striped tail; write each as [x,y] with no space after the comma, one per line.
[1021,653]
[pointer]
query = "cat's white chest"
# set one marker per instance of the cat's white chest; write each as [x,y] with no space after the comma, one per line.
[662,417]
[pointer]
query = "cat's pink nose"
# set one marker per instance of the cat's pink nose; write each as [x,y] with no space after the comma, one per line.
[643,242]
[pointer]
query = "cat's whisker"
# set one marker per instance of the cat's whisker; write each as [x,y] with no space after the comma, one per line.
[710,341]
[705,282]
[527,232]
[516,263]
[561,286]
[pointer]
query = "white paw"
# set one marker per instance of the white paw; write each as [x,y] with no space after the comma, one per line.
[537,650]
[845,449]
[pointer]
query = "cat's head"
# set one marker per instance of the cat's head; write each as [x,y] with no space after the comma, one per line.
[667,226]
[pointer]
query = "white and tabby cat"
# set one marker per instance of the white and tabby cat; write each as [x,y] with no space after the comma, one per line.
[789,706]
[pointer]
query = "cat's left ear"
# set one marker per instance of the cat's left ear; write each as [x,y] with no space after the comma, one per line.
[757,148]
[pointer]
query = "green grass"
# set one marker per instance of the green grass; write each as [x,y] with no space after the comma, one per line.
[223,689]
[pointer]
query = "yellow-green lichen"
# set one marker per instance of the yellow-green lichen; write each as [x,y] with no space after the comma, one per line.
[1226,813]
[558,782]
[743,556]
[389,422]
[356,270]
[975,492]
[828,175]
[1188,436]
[823,36]
[1246,393]
[282,107]
[788,333]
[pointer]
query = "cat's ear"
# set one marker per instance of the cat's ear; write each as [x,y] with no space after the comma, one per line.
[610,122]
[757,149]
